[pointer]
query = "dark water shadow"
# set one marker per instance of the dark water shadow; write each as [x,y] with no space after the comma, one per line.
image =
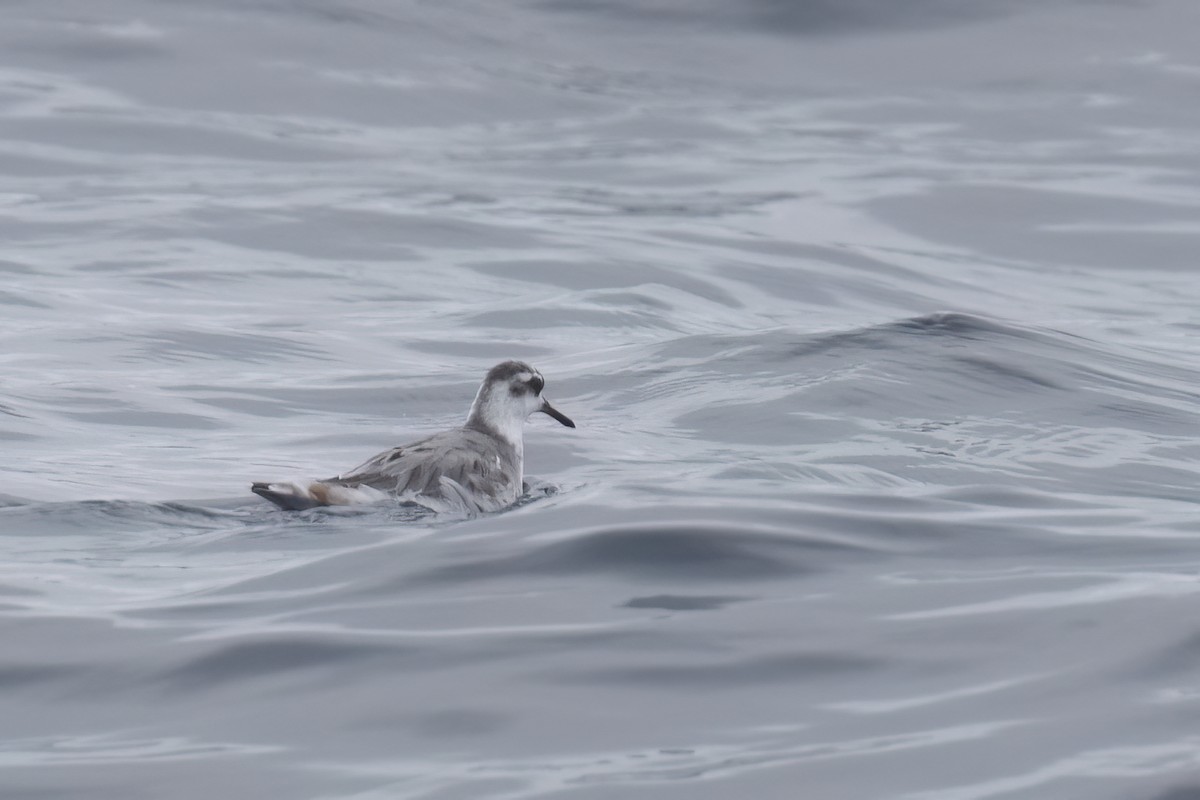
[954,362]
[754,671]
[690,551]
[264,659]
[679,602]
[22,676]
[796,17]
[34,516]
[1180,793]
[10,500]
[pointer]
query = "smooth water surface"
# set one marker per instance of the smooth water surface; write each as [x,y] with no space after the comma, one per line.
[878,320]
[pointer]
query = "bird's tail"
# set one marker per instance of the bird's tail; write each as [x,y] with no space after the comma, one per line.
[291,496]
[310,494]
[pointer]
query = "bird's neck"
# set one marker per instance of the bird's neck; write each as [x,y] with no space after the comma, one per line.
[489,419]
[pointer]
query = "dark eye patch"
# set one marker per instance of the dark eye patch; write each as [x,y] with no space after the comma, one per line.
[532,386]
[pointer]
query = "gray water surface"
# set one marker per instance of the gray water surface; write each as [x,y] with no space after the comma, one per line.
[878,321]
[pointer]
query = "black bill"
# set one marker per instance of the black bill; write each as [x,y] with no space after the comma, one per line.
[554,412]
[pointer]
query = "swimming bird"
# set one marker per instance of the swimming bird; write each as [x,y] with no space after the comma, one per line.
[476,468]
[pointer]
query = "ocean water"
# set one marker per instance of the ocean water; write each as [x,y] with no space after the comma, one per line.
[878,321]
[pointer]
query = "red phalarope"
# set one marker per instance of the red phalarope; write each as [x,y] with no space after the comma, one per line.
[478,467]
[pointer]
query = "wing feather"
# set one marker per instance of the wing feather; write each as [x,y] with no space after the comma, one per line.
[453,467]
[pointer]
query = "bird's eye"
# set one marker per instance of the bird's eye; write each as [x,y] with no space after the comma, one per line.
[537,383]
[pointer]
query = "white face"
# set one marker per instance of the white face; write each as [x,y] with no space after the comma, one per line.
[507,400]
[511,392]
[526,389]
